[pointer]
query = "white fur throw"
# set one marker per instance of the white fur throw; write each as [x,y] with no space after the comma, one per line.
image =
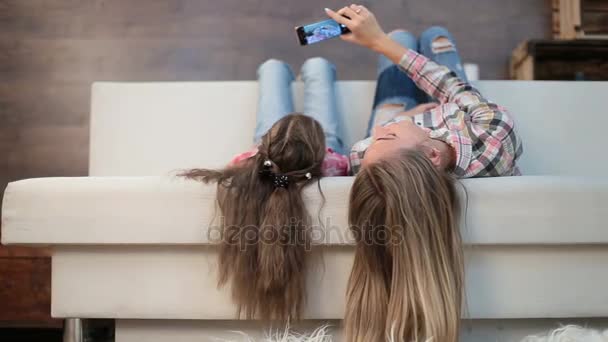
[568,333]
[571,333]
[287,335]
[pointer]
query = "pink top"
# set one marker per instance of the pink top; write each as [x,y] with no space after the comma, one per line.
[334,164]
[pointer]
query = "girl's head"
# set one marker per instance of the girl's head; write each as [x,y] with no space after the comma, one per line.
[264,220]
[407,278]
[294,144]
[391,139]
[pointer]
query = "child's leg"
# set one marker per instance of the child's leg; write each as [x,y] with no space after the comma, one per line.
[394,88]
[275,97]
[438,45]
[319,76]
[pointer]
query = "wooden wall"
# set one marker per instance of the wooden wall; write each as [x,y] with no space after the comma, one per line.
[51,51]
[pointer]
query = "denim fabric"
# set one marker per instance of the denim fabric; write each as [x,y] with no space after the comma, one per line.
[395,87]
[276,98]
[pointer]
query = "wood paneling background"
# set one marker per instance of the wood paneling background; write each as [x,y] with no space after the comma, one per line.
[51,51]
[594,15]
[25,291]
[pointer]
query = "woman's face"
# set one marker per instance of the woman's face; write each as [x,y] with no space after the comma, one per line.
[394,137]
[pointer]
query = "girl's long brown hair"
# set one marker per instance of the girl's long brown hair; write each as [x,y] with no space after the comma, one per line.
[407,279]
[266,227]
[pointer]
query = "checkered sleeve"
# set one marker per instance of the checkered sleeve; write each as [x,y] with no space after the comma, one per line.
[356,154]
[496,145]
[438,81]
[488,128]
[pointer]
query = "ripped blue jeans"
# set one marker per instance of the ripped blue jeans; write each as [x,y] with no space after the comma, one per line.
[395,87]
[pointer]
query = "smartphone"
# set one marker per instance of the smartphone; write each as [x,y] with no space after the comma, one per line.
[318,32]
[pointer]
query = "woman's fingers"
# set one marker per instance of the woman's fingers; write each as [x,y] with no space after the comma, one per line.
[337,17]
[357,8]
[364,27]
[347,11]
[361,10]
[364,10]
[349,37]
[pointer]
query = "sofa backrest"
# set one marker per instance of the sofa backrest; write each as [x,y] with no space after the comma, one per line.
[147,129]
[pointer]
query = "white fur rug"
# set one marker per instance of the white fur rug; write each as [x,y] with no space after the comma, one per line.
[571,333]
[568,333]
[321,334]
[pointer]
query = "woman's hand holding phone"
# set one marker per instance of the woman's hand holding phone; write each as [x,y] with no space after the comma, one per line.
[366,31]
[363,25]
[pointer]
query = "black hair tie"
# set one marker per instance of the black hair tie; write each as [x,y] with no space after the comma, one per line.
[278,180]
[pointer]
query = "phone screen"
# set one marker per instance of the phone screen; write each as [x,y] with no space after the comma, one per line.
[317,32]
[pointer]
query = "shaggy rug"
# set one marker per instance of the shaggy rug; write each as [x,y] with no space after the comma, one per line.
[568,333]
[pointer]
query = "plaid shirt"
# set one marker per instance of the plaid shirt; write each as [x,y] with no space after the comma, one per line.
[481,132]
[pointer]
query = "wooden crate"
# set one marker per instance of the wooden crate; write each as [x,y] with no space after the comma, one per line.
[581,59]
[575,19]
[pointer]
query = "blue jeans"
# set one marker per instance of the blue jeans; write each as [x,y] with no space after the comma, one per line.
[395,87]
[276,98]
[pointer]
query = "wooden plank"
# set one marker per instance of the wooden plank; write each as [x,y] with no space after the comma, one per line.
[44,151]
[26,103]
[594,5]
[25,290]
[595,23]
[103,19]
[555,14]
[588,70]
[569,19]
[518,56]
[579,49]
[54,150]
[24,252]
[88,60]
[575,8]
[525,70]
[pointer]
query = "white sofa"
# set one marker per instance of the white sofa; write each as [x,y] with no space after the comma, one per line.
[133,243]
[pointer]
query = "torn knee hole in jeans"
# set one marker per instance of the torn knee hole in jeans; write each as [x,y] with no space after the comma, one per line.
[442,45]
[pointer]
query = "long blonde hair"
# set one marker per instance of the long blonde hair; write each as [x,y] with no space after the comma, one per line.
[265,225]
[407,279]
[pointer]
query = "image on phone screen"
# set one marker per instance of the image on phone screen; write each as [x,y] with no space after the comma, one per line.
[317,32]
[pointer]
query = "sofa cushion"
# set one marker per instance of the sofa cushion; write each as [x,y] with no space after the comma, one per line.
[169,210]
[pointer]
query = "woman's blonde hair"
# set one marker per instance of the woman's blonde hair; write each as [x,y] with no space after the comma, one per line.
[407,279]
[265,225]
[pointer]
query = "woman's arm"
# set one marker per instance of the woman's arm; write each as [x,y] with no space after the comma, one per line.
[366,31]
[492,128]
[436,80]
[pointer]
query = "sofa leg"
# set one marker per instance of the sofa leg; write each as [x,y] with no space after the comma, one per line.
[72,330]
